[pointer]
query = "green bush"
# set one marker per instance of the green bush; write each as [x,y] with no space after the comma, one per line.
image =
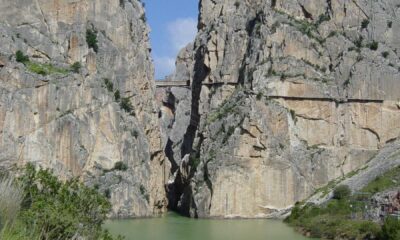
[121,166]
[385,54]
[364,23]
[61,210]
[109,85]
[91,39]
[341,192]
[20,57]
[76,67]
[126,104]
[390,229]
[117,95]
[373,46]
[331,221]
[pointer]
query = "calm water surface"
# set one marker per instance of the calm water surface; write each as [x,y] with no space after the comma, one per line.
[174,227]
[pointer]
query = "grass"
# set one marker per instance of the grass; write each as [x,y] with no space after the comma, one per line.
[45,68]
[10,200]
[332,220]
[18,231]
[341,218]
[387,181]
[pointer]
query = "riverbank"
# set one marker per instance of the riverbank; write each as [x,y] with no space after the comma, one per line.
[362,215]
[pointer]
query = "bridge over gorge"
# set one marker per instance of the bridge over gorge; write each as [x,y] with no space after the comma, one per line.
[171,83]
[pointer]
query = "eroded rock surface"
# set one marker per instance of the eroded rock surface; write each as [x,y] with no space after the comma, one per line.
[286,96]
[75,123]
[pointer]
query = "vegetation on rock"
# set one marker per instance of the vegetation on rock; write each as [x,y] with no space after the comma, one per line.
[20,57]
[386,181]
[52,209]
[43,68]
[126,104]
[343,216]
[76,67]
[91,39]
[341,192]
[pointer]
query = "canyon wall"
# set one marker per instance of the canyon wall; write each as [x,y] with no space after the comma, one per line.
[98,123]
[286,97]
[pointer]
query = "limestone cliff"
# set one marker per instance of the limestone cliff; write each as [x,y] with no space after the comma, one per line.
[98,122]
[286,96]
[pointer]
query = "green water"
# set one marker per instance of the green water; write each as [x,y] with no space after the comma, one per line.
[174,227]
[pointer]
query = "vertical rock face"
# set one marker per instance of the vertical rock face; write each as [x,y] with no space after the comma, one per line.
[286,96]
[99,124]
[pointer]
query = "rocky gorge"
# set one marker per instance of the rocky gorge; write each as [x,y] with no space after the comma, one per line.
[284,98]
[287,96]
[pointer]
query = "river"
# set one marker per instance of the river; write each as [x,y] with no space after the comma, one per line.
[175,227]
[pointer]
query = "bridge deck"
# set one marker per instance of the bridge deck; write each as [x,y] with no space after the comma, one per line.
[163,83]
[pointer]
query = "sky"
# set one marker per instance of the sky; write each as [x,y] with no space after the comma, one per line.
[173,25]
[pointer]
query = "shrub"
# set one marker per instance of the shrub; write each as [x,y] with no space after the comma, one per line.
[107,193]
[20,57]
[385,54]
[144,193]
[259,96]
[76,67]
[390,229]
[323,18]
[120,166]
[358,42]
[341,192]
[364,23]
[126,104]
[91,39]
[61,210]
[117,95]
[109,85]
[373,46]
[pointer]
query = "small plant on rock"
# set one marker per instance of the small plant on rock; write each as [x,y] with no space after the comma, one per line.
[76,67]
[373,46]
[120,166]
[117,95]
[91,39]
[20,57]
[364,23]
[126,104]
[341,192]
